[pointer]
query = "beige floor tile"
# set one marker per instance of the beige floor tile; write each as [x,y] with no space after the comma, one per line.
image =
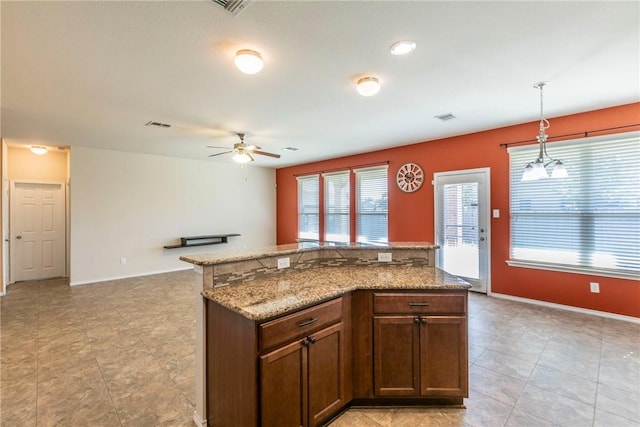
[129,361]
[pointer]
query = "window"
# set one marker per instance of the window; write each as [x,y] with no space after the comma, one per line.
[337,226]
[372,210]
[588,222]
[308,208]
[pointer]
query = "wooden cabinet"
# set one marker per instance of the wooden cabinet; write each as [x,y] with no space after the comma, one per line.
[303,383]
[291,371]
[420,345]
[366,347]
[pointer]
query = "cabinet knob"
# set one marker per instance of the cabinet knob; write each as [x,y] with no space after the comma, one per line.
[311,340]
[305,342]
[423,320]
[416,320]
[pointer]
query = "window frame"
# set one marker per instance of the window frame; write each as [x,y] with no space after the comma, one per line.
[581,147]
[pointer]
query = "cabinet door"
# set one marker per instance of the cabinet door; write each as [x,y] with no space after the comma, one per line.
[327,368]
[396,344]
[444,356]
[283,380]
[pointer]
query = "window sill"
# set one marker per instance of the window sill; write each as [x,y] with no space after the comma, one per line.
[572,269]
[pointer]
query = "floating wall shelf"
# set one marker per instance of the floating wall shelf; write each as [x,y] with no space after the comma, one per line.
[214,239]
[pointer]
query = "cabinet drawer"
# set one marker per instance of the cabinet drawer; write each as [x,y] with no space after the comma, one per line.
[297,325]
[419,303]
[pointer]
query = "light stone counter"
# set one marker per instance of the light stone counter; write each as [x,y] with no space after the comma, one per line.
[276,295]
[234,255]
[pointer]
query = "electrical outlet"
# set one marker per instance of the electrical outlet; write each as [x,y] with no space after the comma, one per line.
[123,260]
[284,262]
[595,287]
[384,257]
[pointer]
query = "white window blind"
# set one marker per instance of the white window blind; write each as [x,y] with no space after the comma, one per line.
[336,207]
[590,220]
[372,212]
[309,207]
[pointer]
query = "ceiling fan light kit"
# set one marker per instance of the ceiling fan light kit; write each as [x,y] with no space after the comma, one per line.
[243,153]
[248,61]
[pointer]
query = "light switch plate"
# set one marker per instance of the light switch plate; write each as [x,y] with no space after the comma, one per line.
[496,213]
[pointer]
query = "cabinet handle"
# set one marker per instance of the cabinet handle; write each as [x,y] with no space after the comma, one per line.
[416,320]
[308,322]
[418,304]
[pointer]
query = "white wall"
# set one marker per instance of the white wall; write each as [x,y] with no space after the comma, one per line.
[130,205]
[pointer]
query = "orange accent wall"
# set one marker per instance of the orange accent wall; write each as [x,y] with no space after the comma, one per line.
[411,215]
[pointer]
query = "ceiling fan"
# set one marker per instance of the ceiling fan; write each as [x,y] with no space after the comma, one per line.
[243,152]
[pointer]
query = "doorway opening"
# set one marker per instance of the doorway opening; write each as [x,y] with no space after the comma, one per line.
[462,225]
[35,206]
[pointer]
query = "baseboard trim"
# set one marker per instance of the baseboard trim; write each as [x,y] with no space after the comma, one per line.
[197,421]
[108,279]
[568,308]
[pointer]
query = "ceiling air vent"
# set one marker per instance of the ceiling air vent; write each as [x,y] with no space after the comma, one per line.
[157,124]
[233,6]
[445,117]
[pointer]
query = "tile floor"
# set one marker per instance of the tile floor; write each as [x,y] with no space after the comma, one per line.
[121,353]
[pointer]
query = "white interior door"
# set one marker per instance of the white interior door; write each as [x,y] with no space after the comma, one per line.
[462,225]
[37,230]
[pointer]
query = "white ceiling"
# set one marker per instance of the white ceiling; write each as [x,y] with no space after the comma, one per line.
[93,73]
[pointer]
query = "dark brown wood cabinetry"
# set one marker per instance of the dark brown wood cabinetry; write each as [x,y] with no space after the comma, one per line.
[300,366]
[303,383]
[369,347]
[420,345]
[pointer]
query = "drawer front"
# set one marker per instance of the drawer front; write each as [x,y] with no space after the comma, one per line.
[297,325]
[419,303]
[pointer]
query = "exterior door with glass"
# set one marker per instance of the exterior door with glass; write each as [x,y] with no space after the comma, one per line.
[462,227]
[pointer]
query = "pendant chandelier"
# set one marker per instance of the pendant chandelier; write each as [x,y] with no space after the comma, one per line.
[540,167]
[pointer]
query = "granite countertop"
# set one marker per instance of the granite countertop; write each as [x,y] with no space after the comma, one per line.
[266,298]
[232,255]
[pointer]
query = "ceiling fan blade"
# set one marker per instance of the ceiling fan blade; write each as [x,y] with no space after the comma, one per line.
[252,147]
[214,146]
[220,154]
[264,153]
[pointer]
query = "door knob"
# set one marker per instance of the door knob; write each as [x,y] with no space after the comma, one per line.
[482,239]
[18,237]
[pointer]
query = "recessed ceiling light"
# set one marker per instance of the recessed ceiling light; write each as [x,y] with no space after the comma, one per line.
[248,61]
[368,86]
[38,149]
[402,47]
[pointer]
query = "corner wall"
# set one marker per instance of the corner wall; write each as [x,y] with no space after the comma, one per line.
[129,205]
[411,214]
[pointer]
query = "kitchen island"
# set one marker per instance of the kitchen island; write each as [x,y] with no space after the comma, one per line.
[293,334]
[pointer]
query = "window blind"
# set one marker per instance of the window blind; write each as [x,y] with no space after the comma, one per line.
[590,220]
[336,207]
[309,207]
[372,211]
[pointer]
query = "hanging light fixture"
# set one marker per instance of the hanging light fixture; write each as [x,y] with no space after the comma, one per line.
[248,61]
[538,168]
